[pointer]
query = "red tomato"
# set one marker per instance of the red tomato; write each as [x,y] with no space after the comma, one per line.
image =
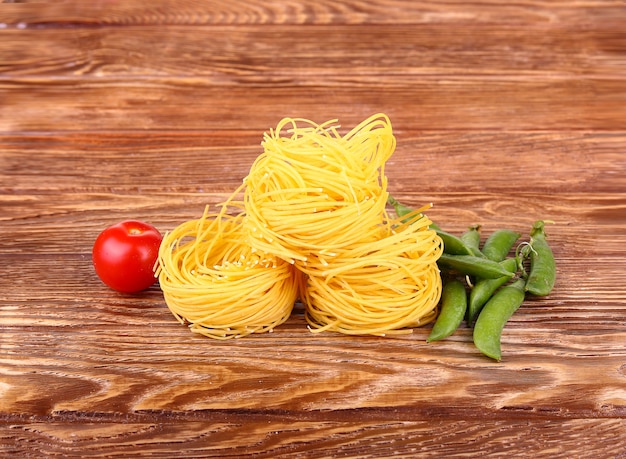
[124,255]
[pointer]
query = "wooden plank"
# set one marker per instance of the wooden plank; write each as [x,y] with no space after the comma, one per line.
[165,12]
[284,435]
[502,103]
[251,53]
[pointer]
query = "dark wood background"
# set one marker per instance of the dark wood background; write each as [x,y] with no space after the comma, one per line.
[503,113]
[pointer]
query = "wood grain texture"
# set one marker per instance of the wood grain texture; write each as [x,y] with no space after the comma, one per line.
[503,113]
[116,163]
[192,12]
[284,53]
[440,79]
[36,104]
[282,435]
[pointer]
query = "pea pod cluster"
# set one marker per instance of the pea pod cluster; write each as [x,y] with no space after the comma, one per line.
[486,285]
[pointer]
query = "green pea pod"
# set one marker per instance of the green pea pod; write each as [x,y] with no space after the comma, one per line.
[499,244]
[473,266]
[542,274]
[471,238]
[453,245]
[483,289]
[453,306]
[494,316]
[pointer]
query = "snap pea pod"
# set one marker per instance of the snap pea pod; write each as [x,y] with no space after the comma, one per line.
[494,316]
[499,244]
[471,238]
[483,289]
[542,274]
[473,266]
[453,306]
[453,245]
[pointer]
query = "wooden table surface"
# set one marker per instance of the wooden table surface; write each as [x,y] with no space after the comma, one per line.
[503,114]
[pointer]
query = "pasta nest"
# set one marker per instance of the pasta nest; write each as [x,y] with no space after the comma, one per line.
[315,190]
[222,287]
[375,288]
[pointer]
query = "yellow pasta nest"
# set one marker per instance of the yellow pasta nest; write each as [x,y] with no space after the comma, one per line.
[221,286]
[312,225]
[375,288]
[315,190]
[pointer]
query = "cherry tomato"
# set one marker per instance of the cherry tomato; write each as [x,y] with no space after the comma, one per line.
[124,255]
